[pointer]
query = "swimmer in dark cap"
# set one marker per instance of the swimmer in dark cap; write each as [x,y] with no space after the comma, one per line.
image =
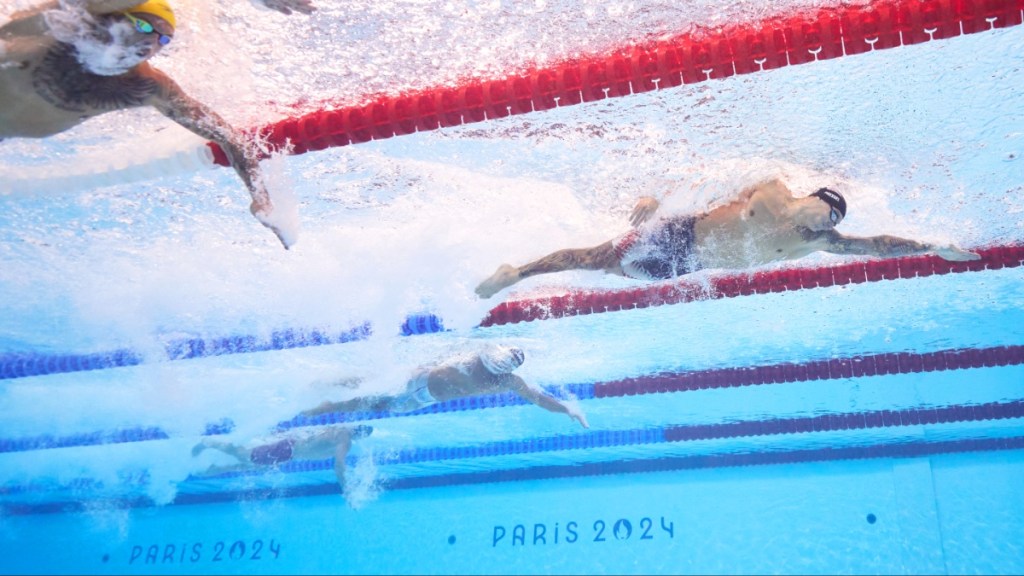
[765,224]
[327,442]
[61,64]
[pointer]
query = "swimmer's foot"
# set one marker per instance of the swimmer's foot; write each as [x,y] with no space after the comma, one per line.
[505,276]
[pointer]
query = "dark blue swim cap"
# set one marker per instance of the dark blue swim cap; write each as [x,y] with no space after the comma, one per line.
[833,199]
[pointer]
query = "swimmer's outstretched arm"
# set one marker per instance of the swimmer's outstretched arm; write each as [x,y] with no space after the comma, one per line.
[287,6]
[174,103]
[544,400]
[886,246]
[108,6]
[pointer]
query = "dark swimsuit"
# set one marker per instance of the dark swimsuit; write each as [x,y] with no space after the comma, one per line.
[272,454]
[662,251]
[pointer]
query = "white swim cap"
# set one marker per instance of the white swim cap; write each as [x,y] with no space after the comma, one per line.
[502,359]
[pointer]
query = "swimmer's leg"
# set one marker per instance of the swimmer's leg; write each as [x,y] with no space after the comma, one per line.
[340,453]
[369,404]
[602,257]
[240,452]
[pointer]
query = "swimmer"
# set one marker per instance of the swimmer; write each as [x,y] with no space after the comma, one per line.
[764,224]
[63,63]
[488,372]
[329,442]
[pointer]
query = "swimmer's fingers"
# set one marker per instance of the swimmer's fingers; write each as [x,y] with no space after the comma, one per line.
[578,416]
[262,211]
[954,254]
[306,7]
[280,236]
[645,207]
[286,6]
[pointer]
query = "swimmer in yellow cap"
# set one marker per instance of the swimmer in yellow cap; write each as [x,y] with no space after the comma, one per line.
[65,63]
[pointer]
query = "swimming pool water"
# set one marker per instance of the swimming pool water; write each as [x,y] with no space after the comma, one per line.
[867,427]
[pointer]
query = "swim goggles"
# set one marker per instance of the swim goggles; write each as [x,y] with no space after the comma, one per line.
[145,27]
[834,216]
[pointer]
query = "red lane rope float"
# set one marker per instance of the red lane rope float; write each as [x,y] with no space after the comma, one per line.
[717,52]
[677,292]
[861,366]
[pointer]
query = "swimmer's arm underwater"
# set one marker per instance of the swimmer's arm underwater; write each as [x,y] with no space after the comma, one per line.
[174,103]
[886,246]
[286,6]
[25,23]
[108,6]
[32,22]
[542,399]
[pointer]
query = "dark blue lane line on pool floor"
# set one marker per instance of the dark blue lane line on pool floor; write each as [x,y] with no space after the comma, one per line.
[913,449]
[830,369]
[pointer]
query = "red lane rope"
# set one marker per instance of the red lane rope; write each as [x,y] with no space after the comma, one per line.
[676,292]
[714,53]
[861,366]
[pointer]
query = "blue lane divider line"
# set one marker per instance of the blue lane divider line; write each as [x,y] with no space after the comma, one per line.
[24,365]
[422,324]
[587,440]
[138,434]
[912,449]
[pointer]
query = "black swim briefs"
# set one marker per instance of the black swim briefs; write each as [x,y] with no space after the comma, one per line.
[660,251]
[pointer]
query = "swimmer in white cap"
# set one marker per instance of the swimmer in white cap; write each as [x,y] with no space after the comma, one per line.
[488,372]
[63,63]
[764,224]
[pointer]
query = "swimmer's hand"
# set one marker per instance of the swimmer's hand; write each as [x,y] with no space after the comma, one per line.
[642,212]
[286,6]
[577,415]
[262,212]
[954,254]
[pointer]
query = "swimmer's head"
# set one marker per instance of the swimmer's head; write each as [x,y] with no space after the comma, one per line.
[836,204]
[502,359]
[113,44]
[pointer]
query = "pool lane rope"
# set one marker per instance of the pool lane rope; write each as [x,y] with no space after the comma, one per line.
[734,285]
[715,52]
[892,449]
[860,366]
[575,303]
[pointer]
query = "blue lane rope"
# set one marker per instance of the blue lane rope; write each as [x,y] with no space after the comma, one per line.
[912,449]
[25,365]
[833,422]
[587,440]
[961,359]
[137,434]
